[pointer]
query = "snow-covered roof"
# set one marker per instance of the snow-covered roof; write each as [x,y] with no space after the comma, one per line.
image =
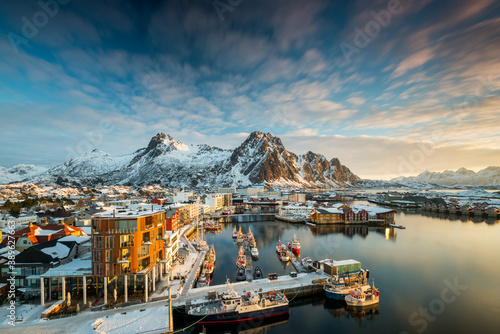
[76,239]
[127,213]
[39,231]
[77,267]
[59,250]
[371,209]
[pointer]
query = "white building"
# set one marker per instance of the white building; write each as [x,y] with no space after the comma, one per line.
[23,219]
[171,247]
[183,196]
[216,202]
[296,210]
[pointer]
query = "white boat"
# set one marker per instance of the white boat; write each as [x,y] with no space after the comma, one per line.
[233,307]
[284,256]
[360,298]
[235,232]
[255,252]
[340,291]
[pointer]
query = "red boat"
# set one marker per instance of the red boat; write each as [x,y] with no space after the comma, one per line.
[294,245]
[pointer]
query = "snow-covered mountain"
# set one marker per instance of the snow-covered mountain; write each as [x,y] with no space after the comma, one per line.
[20,172]
[169,162]
[486,177]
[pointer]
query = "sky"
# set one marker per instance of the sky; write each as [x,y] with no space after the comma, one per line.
[389,87]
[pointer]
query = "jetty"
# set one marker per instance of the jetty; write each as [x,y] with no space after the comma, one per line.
[304,284]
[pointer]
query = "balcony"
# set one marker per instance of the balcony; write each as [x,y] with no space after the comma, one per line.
[147,243]
[124,260]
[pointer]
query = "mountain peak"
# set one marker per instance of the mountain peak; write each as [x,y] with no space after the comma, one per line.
[167,140]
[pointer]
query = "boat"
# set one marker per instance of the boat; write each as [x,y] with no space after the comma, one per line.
[208,267]
[240,274]
[340,291]
[233,307]
[204,279]
[359,298]
[279,247]
[397,226]
[283,256]
[226,212]
[257,273]
[235,232]
[294,245]
[241,261]
[211,225]
[240,237]
[255,252]
[211,255]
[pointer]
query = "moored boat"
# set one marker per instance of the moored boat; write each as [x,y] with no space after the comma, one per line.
[283,256]
[294,245]
[279,247]
[359,298]
[235,232]
[340,291]
[233,307]
[255,252]
[257,273]
[240,274]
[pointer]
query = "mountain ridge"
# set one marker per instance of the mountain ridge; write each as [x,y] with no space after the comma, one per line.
[488,176]
[261,158]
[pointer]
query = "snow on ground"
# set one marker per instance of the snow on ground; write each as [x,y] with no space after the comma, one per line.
[152,319]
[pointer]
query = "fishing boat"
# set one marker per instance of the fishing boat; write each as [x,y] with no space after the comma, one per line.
[255,252]
[294,245]
[283,256]
[241,261]
[211,255]
[279,247]
[257,273]
[235,232]
[204,280]
[340,291]
[240,274]
[359,298]
[208,267]
[211,225]
[233,307]
[241,237]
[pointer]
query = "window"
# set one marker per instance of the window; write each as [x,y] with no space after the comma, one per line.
[145,237]
[98,241]
[109,255]
[126,240]
[97,255]
[143,251]
[110,241]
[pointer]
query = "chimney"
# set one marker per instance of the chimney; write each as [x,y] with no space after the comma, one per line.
[114,213]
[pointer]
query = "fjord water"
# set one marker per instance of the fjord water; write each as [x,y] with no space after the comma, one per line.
[440,275]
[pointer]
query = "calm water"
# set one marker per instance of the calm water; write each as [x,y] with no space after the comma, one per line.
[413,269]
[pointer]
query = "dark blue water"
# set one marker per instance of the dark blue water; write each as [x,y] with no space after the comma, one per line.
[440,275]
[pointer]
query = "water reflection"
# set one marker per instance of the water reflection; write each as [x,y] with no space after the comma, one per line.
[461,218]
[250,327]
[339,309]
[353,230]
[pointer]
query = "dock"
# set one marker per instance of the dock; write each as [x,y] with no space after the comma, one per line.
[302,285]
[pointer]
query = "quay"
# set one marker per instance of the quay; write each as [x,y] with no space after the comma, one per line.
[305,284]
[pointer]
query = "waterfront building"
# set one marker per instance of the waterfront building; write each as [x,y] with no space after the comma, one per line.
[129,242]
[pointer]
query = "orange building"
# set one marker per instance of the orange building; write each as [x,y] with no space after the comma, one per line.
[129,242]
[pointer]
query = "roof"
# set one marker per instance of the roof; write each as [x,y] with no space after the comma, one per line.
[127,213]
[49,252]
